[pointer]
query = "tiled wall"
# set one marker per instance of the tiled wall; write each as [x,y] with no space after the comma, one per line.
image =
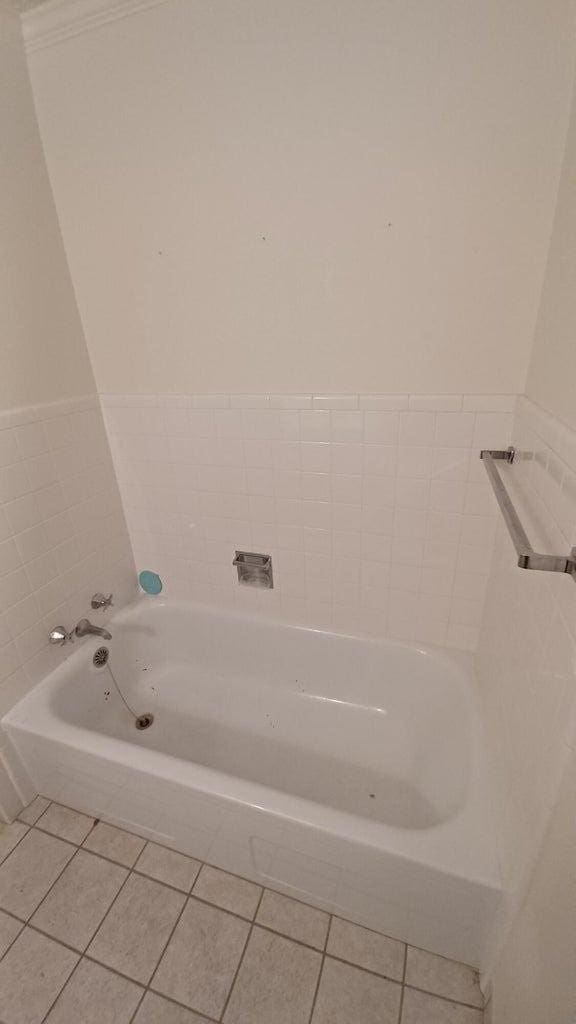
[375,508]
[62,534]
[527,651]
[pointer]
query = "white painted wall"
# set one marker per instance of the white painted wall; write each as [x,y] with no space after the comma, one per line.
[43,355]
[276,197]
[536,982]
[552,373]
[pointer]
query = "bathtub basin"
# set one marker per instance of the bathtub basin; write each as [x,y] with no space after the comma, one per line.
[345,771]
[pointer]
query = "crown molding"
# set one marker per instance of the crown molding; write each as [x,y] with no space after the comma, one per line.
[53,22]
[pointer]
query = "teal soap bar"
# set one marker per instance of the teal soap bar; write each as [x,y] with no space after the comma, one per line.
[150,582]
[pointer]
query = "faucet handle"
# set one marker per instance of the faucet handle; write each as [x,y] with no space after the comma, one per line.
[60,635]
[100,601]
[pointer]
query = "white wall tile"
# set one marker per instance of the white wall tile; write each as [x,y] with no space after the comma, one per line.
[416,428]
[454,430]
[347,489]
[412,493]
[381,428]
[315,457]
[249,401]
[335,402]
[31,439]
[65,526]
[14,481]
[290,401]
[407,550]
[415,462]
[490,428]
[347,459]
[447,495]
[452,463]
[9,451]
[380,460]
[386,478]
[10,558]
[41,570]
[315,425]
[210,401]
[347,427]
[316,486]
[488,403]
[378,490]
[384,402]
[435,403]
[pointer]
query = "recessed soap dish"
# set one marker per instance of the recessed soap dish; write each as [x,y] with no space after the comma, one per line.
[254,570]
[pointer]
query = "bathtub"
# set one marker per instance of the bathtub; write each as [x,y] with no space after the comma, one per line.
[343,771]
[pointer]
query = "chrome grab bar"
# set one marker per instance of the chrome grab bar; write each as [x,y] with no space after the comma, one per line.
[527,557]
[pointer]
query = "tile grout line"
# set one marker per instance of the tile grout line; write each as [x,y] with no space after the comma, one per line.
[60,991]
[204,863]
[446,999]
[166,944]
[401,1006]
[49,890]
[17,936]
[190,895]
[241,960]
[322,962]
[15,847]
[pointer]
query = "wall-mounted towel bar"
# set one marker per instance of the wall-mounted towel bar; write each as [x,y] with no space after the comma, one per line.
[527,557]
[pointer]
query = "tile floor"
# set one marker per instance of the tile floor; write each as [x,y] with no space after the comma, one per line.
[97,926]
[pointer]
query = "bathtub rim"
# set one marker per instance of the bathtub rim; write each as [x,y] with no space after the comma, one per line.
[468,836]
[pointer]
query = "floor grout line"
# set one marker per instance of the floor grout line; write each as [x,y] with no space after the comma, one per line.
[401,1007]
[205,863]
[15,847]
[60,991]
[318,980]
[17,936]
[189,895]
[446,999]
[241,960]
[167,943]
[49,890]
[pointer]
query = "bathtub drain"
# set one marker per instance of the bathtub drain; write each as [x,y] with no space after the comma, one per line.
[100,657]
[144,721]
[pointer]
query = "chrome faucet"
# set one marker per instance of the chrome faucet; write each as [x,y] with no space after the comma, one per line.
[85,628]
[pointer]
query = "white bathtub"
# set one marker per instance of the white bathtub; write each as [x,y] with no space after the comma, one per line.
[347,772]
